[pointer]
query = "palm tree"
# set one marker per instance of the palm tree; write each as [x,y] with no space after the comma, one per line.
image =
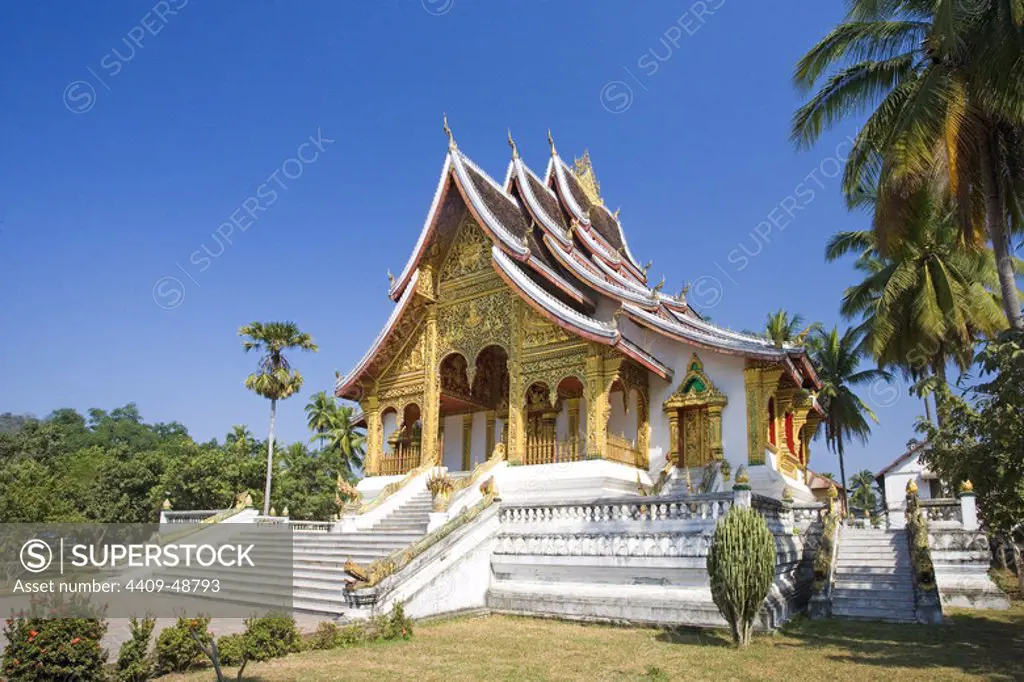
[784,330]
[241,438]
[864,497]
[342,445]
[928,298]
[837,359]
[275,380]
[940,79]
[321,411]
[345,445]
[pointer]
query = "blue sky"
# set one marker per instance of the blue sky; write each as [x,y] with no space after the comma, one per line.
[132,131]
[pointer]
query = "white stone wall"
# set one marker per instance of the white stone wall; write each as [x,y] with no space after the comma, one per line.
[479,453]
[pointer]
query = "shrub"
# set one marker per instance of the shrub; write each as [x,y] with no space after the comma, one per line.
[177,650]
[327,636]
[271,636]
[352,635]
[231,649]
[133,662]
[400,624]
[741,565]
[47,649]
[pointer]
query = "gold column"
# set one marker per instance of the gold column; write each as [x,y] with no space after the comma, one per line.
[598,407]
[489,434]
[673,437]
[716,449]
[643,430]
[573,406]
[760,382]
[374,435]
[515,440]
[467,441]
[431,392]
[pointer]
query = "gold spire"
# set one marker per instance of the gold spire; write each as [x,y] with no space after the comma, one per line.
[583,169]
[512,143]
[448,132]
[551,141]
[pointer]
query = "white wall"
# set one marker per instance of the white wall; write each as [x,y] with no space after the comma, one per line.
[479,452]
[390,422]
[452,455]
[896,487]
[725,371]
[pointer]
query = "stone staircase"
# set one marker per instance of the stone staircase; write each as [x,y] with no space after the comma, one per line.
[873,576]
[317,560]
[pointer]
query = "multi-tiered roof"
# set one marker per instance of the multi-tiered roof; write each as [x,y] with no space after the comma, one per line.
[555,243]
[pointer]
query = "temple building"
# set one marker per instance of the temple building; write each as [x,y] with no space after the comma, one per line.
[522,317]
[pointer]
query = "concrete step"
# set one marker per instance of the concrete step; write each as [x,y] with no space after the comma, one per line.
[889,616]
[859,570]
[896,584]
[616,603]
[881,598]
[865,562]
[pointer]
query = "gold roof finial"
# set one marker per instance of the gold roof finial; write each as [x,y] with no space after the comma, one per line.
[647,267]
[512,143]
[660,285]
[391,278]
[551,141]
[616,214]
[448,131]
[584,171]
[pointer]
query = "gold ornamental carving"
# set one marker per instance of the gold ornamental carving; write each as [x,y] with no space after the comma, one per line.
[469,253]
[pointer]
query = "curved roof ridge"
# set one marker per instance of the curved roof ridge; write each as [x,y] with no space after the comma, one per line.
[491,221]
[594,278]
[428,223]
[585,323]
[694,336]
[611,272]
[603,332]
[592,238]
[343,383]
[728,333]
[546,222]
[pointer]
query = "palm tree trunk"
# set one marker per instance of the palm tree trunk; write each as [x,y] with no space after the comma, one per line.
[927,409]
[270,458]
[842,466]
[999,233]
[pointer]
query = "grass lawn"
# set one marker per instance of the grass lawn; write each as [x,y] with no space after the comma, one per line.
[971,645]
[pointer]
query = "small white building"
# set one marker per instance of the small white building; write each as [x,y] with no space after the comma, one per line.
[893,480]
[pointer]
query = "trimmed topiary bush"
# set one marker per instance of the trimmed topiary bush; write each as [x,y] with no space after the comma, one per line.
[741,565]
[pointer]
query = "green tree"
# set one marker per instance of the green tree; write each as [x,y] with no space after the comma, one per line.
[342,446]
[928,299]
[981,440]
[940,81]
[864,497]
[241,439]
[784,330]
[838,359]
[275,380]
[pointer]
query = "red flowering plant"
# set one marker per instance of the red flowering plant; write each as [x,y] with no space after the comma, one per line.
[47,649]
